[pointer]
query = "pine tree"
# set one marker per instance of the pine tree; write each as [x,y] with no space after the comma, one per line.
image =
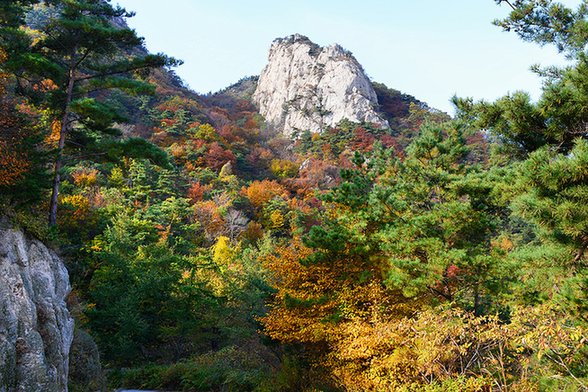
[550,138]
[399,236]
[12,16]
[83,52]
[520,126]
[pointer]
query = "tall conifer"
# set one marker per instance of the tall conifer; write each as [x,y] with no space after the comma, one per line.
[82,52]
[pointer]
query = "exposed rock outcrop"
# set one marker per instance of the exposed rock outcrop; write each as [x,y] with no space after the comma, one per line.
[36,328]
[306,86]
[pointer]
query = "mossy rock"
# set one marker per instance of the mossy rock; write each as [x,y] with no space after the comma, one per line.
[85,372]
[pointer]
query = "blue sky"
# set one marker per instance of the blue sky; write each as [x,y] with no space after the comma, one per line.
[430,49]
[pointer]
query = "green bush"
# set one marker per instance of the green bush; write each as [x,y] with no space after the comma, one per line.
[230,369]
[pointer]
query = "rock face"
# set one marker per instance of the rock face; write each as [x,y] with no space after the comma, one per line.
[36,328]
[305,86]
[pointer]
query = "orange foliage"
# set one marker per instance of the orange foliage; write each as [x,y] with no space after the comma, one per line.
[168,122]
[85,178]
[295,281]
[178,151]
[253,232]
[316,300]
[12,169]
[190,167]
[371,338]
[163,232]
[219,111]
[242,109]
[317,174]
[196,192]
[260,192]
[53,138]
[250,124]
[13,165]
[210,216]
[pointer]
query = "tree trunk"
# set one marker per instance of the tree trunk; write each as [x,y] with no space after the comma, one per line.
[62,134]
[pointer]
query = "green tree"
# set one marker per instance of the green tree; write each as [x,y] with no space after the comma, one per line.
[12,39]
[399,236]
[83,52]
[427,219]
[23,176]
[145,293]
[520,126]
[555,198]
[548,22]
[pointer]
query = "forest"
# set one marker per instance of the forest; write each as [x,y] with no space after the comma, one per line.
[209,252]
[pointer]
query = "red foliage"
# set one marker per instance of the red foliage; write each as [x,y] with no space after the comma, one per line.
[222,112]
[392,102]
[452,271]
[345,160]
[259,157]
[362,141]
[317,174]
[389,141]
[250,124]
[225,132]
[211,221]
[219,117]
[168,122]
[231,135]
[143,131]
[242,109]
[196,192]
[217,157]
[280,144]
[478,148]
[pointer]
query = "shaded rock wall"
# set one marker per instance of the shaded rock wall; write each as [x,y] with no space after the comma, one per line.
[85,371]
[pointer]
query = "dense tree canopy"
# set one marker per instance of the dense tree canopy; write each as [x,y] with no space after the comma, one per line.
[212,253]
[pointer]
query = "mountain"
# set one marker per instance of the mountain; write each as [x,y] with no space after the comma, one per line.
[308,87]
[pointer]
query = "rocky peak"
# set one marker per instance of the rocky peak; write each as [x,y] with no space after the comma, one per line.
[306,86]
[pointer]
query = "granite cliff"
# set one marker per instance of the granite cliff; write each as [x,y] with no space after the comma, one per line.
[36,329]
[305,86]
